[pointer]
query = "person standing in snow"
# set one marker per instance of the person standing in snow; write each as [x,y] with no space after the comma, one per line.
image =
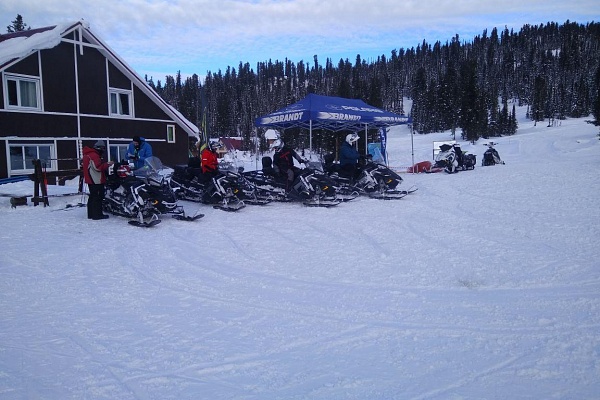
[349,156]
[94,175]
[138,150]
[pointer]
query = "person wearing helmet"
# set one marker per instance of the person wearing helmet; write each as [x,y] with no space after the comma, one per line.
[94,175]
[283,161]
[138,150]
[208,159]
[349,156]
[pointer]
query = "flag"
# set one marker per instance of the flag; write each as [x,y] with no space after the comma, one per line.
[203,133]
[383,140]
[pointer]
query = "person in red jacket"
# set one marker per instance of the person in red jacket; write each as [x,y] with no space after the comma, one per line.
[209,160]
[94,175]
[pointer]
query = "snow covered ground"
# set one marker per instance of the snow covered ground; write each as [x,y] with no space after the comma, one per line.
[481,285]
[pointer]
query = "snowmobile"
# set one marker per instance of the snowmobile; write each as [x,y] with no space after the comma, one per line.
[491,156]
[249,192]
[446,159]
[142,195]
[221,189]
[469,161]
[373,179]
[309,187]
[465,160]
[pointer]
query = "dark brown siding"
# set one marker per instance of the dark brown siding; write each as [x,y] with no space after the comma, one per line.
[3,165]
[58,73]
[146,108]
[66,152]
[108,127]
[93,88]
[117,79]
[27,66]
[174,153]
[37,125]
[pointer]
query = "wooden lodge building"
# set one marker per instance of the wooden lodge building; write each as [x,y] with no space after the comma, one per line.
[63,88]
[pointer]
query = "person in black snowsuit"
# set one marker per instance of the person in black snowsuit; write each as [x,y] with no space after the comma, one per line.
[459,156]
[283,162]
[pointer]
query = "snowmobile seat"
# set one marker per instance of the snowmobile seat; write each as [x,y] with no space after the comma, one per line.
[194,162]
[445,147]
[330,166]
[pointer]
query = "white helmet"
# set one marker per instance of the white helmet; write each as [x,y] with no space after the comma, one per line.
[351,138]
[277,144]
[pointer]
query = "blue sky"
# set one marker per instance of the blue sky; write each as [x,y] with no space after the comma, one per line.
[160,37]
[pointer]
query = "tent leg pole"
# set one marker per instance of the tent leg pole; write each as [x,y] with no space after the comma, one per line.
[310,135]
[366,141]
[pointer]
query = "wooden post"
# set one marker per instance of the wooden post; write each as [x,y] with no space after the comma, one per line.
[40,184]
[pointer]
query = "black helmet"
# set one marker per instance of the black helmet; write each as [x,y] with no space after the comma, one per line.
[100,145]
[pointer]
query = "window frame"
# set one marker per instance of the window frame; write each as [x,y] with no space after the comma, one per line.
[119,149]
[18,79]
[170,133]
[119,106]
[50,165]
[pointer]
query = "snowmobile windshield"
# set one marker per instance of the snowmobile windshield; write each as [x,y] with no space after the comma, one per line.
[316,165]
[152,166]
[153,163]
[444,155]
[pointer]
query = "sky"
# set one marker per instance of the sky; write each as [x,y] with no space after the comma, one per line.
[482,284]
[159,38]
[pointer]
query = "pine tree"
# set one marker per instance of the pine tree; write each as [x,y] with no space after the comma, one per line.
[17,25]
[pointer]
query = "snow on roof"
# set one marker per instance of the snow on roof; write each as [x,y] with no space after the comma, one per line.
[21,44]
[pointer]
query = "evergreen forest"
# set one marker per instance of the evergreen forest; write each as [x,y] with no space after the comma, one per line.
[469,87]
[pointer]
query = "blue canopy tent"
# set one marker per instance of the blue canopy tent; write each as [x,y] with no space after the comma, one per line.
[330,113]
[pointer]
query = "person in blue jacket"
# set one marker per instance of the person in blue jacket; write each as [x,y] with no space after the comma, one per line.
[349,156]
[138,150]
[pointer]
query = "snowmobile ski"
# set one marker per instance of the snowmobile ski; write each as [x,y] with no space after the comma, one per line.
[145,224]
[257,202]
[189,218]
[388,195]
[410,190]
[231,207]
[321,203]
[344,197]
[69,207]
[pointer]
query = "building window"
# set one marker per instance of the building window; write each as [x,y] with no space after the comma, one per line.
[170,133]
[22,92]
[118,152]
[22,156]
[120,102]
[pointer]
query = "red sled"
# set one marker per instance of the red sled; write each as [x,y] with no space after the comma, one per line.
[424,166]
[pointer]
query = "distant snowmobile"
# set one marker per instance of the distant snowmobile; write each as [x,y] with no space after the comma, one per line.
[447,159]
[491,156]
